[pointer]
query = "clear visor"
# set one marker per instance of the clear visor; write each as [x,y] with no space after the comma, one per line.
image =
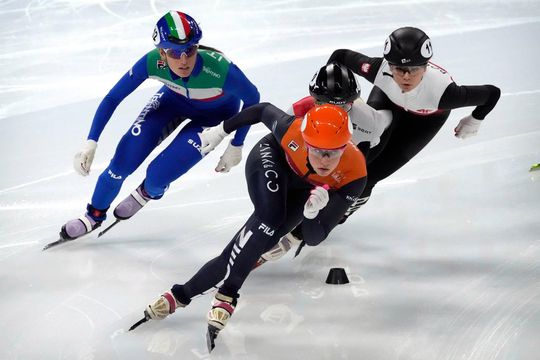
[328,153]
[401,70]
[177,54]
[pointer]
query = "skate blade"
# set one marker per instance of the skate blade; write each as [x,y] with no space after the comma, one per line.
[140,322]
[109,227]
[63,240]
[56,243]
[211,336]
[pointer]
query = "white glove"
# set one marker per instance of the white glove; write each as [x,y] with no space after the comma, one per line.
[316,201]
[231,157]
[211,137]
[467,127]
[83,159]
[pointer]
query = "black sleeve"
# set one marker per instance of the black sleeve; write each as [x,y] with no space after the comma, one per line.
[274,118]
[364,147]
[316,230]
[379,100]
[484,97]
[360,64]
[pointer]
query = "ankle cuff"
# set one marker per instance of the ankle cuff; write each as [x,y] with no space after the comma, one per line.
[179,294]
[96,214]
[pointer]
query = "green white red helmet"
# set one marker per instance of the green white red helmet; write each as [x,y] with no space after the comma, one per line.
[176,30]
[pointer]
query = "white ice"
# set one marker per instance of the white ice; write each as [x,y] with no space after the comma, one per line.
[443,261]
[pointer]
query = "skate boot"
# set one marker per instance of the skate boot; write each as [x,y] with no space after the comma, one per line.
[222,309]
[163,307]
[279,250]
[132,204]
[89,222]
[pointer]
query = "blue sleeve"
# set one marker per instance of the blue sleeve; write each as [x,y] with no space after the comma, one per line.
[239,85]
[125,86]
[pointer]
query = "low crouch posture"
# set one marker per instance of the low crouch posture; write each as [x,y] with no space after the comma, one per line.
[306,171]
[200,84]
[420,96]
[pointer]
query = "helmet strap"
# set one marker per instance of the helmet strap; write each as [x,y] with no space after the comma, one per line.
[311,170]
[162,56]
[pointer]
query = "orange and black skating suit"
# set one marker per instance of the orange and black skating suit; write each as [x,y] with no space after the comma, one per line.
[279,179]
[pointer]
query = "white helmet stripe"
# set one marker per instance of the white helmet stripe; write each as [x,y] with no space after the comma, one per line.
[179,25]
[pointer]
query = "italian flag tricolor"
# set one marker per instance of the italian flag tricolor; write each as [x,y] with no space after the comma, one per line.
[178,24]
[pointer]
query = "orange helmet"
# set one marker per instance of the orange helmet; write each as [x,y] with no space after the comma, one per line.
[326,127]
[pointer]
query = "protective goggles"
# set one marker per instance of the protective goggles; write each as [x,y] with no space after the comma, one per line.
[329,153]
[401,70]
[347,106]
[177,54]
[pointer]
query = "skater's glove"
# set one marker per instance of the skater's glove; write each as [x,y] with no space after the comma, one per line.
[211,137]
[83,159]
[231,157]
[317,200]
[467,127]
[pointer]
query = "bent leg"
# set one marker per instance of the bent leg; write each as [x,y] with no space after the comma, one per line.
[268,189]
[233,264]
[136,144]
[177,159]
[409,136]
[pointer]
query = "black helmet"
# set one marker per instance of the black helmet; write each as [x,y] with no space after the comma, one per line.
[408,46]
[334,84]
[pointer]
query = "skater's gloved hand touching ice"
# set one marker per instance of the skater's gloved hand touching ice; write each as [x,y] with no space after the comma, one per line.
[83,159]
[211,137]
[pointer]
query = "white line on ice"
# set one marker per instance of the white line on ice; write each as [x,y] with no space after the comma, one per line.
[206,202]
[154,8]
[101,304]
[64,205]
[103,5]
[518,93]
[23,231]
[18,244]
[86,316]
[37,181]
[97,168]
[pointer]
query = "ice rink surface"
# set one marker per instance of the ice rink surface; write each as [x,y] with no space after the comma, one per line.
[443,260]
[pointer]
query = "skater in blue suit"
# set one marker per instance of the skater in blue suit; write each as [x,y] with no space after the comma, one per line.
[200,84]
